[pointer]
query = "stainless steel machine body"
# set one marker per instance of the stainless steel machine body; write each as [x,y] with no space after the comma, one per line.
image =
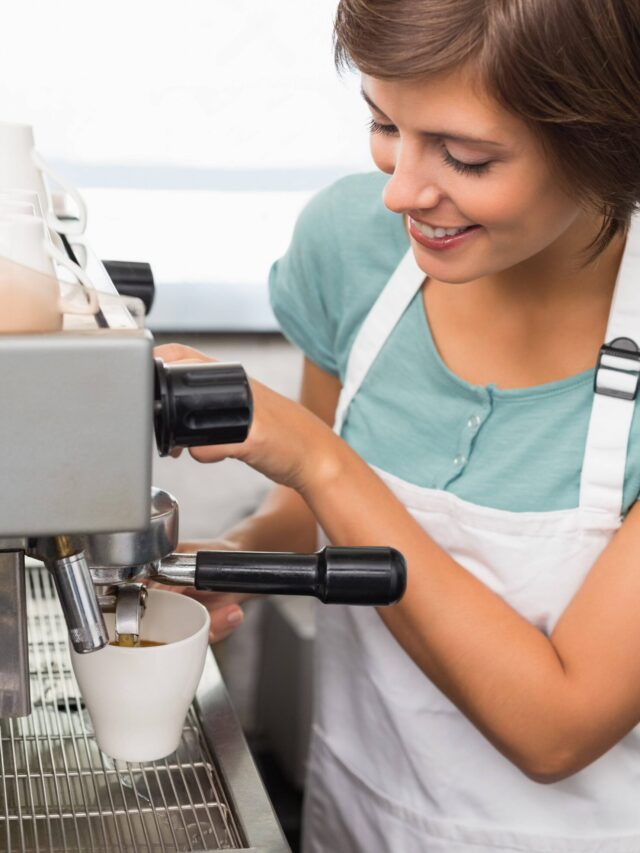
[77,415]
[73,431]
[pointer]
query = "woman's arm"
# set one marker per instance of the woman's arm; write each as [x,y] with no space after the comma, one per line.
[551,705]
[283,522]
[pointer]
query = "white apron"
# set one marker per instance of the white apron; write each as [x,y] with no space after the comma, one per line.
[394,767]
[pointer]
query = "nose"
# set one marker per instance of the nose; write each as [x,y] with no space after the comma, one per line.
[410,187]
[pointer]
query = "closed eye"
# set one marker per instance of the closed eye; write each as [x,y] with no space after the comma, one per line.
[385,129]
[458,165]
[465,168]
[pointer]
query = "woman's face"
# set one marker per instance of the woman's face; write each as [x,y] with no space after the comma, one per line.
[494,178]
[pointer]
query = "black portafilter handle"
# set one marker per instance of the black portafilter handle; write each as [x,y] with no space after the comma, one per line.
[371,576]
[200,404]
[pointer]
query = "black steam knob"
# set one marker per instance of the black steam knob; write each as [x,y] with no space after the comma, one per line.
[200,404]
[132,278]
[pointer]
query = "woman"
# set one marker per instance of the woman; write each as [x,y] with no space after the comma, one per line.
[451,315]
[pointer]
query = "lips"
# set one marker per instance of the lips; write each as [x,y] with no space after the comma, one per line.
[438,230]
[438,238]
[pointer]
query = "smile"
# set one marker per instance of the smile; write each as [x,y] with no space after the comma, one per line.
[441,238]
[438,231]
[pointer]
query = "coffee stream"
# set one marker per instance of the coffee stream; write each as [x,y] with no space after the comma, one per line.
[129,641]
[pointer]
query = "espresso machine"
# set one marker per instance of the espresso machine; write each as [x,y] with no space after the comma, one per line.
[80,411]
[83,411]
[82,531]
[75,449]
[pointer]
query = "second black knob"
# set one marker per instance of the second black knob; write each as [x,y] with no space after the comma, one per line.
[200,404]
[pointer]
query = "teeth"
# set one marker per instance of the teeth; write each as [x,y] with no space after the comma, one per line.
[428,231]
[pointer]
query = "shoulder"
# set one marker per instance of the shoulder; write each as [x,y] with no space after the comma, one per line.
[357,194]
[344,247]
[351,211]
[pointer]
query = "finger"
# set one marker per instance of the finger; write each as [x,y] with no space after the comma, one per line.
[206,454]
[176,352]
[210,600]
[163,587]
[214,452]
[175,453]
[224,620]
[186,548]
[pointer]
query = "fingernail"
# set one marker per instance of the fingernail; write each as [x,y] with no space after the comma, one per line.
[235,617]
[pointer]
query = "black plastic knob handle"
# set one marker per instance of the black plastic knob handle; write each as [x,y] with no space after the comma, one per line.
[371,576]
[132,278]
[200,404]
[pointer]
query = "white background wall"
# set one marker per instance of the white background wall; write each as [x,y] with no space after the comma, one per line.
[197,131]
[210,83]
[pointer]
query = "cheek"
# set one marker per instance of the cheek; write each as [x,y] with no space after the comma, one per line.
[501,205]
[540,210]
[517,200]
[524,212]
[383,153]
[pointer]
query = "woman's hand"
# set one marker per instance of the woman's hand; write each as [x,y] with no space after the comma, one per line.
[224,607]
[286,442]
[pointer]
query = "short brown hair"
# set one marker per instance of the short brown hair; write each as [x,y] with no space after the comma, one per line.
[569,68]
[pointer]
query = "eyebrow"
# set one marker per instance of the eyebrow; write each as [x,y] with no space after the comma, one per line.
[436,133]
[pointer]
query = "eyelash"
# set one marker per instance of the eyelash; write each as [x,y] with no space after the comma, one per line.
[458,165]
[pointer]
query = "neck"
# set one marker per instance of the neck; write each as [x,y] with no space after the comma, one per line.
[558,273]
[538,321]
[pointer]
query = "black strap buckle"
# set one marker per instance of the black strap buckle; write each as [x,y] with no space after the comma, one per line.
[621,357]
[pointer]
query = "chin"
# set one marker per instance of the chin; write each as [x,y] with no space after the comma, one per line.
[446,272]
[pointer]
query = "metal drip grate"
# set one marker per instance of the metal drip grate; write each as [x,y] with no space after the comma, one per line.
[58,792]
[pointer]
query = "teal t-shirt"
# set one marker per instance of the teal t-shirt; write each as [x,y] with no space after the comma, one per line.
[515,449]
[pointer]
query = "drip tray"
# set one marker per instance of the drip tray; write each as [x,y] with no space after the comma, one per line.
[58,792]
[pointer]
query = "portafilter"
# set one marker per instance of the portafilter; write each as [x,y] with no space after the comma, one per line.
[120,562]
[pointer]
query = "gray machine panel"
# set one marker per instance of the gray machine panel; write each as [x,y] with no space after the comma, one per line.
[15,699]
[76,414]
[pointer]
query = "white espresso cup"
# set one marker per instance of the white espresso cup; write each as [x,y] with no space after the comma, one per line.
[138,698]
[25,240]
[22,167]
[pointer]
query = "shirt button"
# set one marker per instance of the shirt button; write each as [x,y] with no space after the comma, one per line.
[474,421]
[459,460]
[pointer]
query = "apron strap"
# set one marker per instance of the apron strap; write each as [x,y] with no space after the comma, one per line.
[616,383]
[389,307]
[615,389]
